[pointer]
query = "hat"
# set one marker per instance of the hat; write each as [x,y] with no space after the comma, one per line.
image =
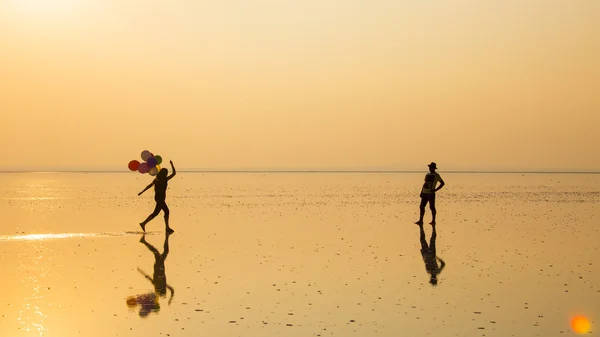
[433,165]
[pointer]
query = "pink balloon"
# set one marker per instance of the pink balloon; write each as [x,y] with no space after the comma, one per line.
[143,168]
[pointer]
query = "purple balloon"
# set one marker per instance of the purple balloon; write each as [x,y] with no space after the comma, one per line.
[143,168]
[152,162]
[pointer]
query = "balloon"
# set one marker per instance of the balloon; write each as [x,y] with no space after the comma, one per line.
[158,167]
[158,159]
[153,171]
[145,155]
[143,168]
[133,165]
[151,162]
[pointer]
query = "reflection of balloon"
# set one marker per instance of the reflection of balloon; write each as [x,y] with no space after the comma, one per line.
[153,171]
[158,159]
[148,303]
[145,155]
[131,301]
[143,168]
[133,165]
[151,162]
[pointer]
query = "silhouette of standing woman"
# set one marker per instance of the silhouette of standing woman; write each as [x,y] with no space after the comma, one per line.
[428,193]
[429,255]
[159,279]
[160,195]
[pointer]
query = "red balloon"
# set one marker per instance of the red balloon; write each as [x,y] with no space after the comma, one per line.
[133,165]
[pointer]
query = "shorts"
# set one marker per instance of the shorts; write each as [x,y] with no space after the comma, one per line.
[428,198]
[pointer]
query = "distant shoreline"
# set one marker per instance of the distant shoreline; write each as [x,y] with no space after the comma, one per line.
[313,171]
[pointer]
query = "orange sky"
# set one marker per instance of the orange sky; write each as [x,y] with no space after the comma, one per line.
[301,84]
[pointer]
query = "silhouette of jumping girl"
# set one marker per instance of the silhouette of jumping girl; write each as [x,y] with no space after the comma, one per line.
[160,195]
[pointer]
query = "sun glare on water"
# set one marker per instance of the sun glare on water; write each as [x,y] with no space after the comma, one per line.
[35,237]
[54,236]
[580,324]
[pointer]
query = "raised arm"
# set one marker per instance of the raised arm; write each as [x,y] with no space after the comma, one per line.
[147,187]
[172,169]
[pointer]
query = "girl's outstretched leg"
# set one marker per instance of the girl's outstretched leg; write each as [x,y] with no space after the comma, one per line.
[166,211]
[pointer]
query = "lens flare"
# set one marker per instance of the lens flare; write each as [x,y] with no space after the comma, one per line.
[580,324]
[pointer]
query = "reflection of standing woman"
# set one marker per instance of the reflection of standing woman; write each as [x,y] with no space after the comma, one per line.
[160,195]
[429,254]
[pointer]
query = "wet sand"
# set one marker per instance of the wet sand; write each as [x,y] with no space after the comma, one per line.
[299,255]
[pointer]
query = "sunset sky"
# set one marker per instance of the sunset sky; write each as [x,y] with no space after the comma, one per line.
[278,84]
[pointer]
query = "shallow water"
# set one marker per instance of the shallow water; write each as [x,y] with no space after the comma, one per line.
[299,255]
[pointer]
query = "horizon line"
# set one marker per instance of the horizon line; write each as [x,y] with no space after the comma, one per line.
[313,171]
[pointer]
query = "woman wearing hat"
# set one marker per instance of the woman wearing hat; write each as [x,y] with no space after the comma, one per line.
[428,193]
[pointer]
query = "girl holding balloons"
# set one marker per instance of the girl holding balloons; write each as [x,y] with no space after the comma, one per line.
[160,195]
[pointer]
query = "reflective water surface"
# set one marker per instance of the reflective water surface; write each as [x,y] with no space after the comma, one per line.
[299,255]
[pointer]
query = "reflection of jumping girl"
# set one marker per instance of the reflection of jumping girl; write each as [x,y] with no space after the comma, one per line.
[159,279]
[149,302]
[160,195]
